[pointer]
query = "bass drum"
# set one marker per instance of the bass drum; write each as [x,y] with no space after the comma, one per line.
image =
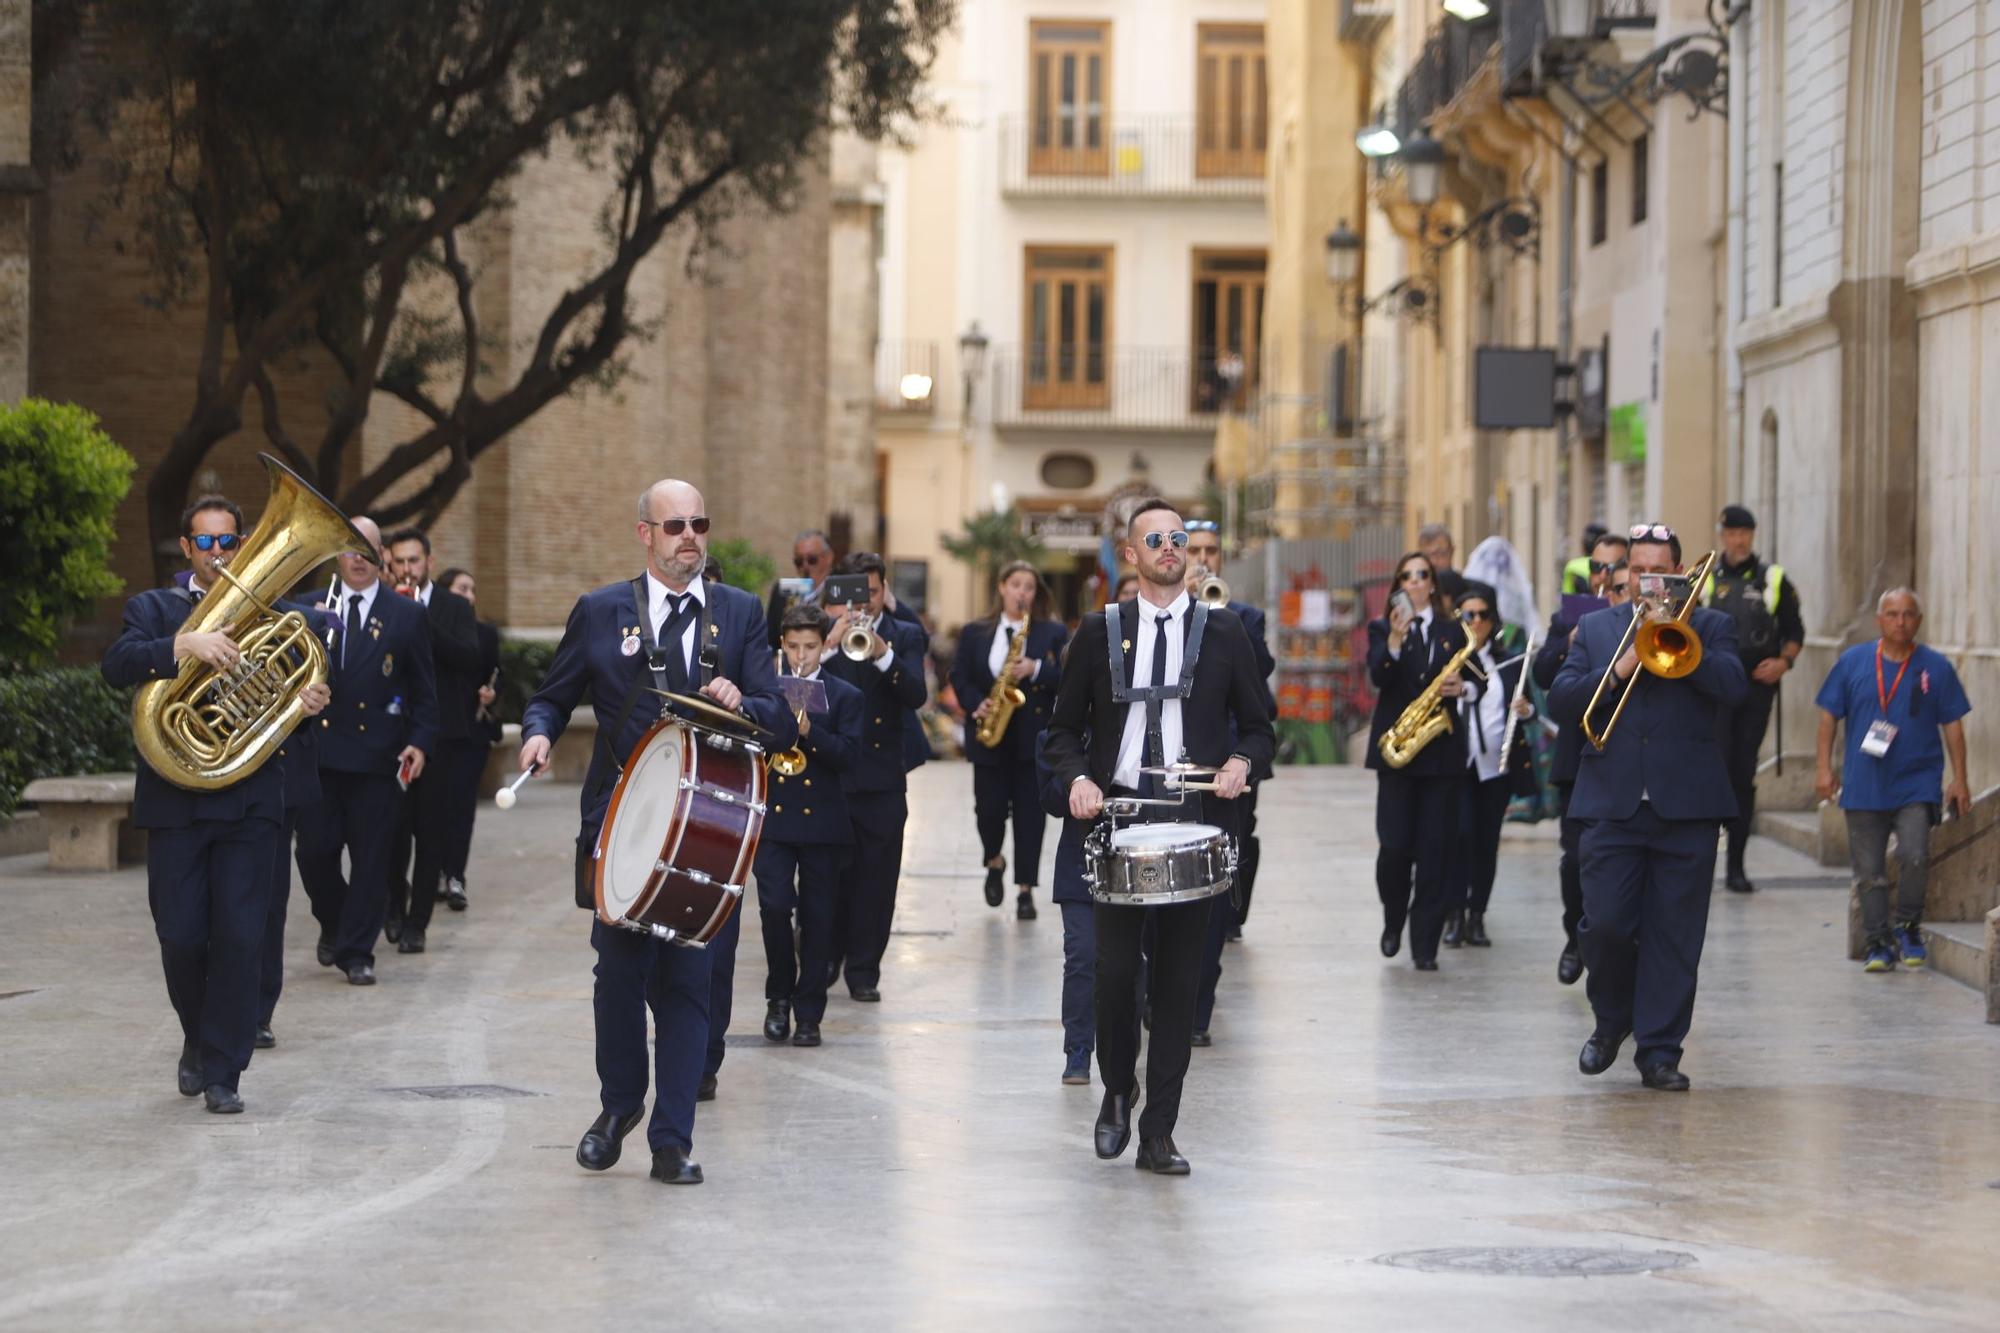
[681,831]
[1151,865]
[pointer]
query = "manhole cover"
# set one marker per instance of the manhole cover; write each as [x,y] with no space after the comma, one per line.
[1538,1261]
[462,1092]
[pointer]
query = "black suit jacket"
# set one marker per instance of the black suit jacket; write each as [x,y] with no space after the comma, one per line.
[1087,726]
[1399,680]
[972,681]
[487,730]
[456,658]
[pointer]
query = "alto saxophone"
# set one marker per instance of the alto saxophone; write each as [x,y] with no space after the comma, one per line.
[1004,697]
[1427,717]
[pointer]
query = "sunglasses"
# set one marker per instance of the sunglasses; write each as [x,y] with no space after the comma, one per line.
[798,561]
[1653,532]
[1154,540]
[1202,525]
[210,541]
[1477,615]
[674,527]
[1414,576]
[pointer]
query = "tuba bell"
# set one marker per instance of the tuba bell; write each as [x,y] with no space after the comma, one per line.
[207,728]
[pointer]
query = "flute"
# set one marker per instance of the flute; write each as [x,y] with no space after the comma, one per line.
[1520,692]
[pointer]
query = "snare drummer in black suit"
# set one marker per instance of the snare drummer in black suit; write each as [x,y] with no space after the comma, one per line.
[1154,633]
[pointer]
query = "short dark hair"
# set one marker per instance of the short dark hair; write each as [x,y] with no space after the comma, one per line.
[1647,538]
[1616,566]
[711,569]
[865,562]
[1484,592]
[1593,533]
[806,616]
[451,576]
[401,535]
[1148,506]
[1617,539]
[207,502]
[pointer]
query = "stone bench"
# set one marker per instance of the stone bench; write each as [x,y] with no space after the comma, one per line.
[568,762]
[88,820]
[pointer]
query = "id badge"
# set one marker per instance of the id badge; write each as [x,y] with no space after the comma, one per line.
[1876,743]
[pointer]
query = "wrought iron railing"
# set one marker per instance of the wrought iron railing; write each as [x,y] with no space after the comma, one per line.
[1132,156]
[1451,54]
[1086,387]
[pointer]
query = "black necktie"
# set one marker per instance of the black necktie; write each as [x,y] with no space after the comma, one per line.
[353,625]
[670,642]
[1155,706]
[1417,648]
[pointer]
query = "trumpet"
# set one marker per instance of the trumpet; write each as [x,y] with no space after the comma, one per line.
[1209,589]
[790,763]
[1668,648]
[858,643]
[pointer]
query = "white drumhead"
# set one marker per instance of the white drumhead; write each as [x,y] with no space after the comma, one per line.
[1162,837]
[636,837]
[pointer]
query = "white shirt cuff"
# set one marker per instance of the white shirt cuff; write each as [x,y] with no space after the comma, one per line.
[886,660]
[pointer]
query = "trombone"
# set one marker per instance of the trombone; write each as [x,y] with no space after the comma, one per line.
[1667,648]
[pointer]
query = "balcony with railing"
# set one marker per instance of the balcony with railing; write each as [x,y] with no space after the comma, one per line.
[1049,386]
[906,374]
[1537,38]
[1089,156]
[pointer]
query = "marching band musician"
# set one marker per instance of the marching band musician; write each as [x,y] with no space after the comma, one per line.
[1498,763]
[1653,799]
[876,784]
[208,853]
[1003,775]
[1416,807]
[807,835]
[1096,748]
[606,653]
[468,756]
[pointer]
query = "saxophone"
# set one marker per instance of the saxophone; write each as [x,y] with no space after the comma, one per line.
[1427,717]
[1005,696]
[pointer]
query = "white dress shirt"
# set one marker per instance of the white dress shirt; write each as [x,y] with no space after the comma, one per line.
[424,593]
[1486,719]
[659,608]
[996,654]
[367,596]
[1132,745]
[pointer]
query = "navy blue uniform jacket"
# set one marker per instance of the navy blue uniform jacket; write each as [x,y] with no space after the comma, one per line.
[1548,661]
[385,693]
[590,662]
[888,700]
[811,808]
[972,680]
[144,651]
[1665,745]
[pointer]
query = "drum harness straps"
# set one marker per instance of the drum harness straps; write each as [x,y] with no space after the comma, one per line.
[655,666]
[1153,696]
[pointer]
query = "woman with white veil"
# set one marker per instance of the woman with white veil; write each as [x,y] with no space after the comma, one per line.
[1495,563]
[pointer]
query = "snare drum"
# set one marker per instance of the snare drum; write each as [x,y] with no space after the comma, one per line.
[1148,865]
[680,834]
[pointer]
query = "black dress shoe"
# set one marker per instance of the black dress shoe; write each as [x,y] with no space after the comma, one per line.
[392,930]
[1234,935]
[1454,930]
[1024,907]
[1600,1052]
[1392,942]
[1570,966]
[412,941]
[705,1090]
[325,952]
[671,1166]
[1114,1124]
[224,1101]
[1738,882]
[1161,1157]
[1200,1039]
[360,974]
[807,1035]
[598,1149]
[454,894]
[265,1038]
[188,1077]
[777,1020]
[1475,931]
[996,887]
[1425,964]
[1664,1078]
[864,994]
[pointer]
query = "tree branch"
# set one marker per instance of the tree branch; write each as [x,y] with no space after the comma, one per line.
[274,430]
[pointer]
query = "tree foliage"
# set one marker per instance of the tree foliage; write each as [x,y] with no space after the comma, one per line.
[302,170]
[990,539]
[61,479]
[743,565]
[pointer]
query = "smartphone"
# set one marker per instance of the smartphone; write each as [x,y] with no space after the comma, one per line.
[1401,600]
[845,590]
[794,588]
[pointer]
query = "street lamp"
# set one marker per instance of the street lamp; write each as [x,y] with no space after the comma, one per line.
[1377,140]
[971,359]
[1423,160]
[1469,10]
[1343,255]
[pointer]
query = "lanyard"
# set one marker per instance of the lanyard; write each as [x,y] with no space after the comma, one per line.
[1887,698]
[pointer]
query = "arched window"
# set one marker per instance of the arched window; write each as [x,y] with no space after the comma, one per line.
[1068,472]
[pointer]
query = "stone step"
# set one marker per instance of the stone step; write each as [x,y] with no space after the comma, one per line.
[1958,950]
[1797,829]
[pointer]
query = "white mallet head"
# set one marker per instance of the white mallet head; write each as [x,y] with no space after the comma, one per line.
[505,798]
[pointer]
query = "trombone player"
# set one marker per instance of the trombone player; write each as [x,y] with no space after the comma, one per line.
[1652,786]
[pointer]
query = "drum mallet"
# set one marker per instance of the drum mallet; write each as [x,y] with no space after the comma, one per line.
[505,797]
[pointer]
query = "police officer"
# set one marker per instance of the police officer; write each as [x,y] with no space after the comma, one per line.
[373,741]
[1769,633]
[808,834]
[208,853]
[891,686]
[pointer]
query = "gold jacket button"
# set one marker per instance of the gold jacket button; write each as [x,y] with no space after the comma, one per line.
[777,809]
[326,722]
[809,809]
[362,727]
[361,705]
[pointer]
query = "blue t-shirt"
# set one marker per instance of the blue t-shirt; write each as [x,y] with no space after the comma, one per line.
[1912,773]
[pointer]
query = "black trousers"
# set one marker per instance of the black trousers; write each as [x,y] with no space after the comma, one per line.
[1003,789]
[802,880]
[356,813]
[865,904]
[1249,852]
[467,760]
[1646,887]
[1570,833]
[1747,724]
[209,888]
[426,819]
[1482,812]
[272,968]
[1416,819]
[1178,933]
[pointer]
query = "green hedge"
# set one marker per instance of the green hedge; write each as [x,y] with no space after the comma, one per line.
[523,663]
[60,722]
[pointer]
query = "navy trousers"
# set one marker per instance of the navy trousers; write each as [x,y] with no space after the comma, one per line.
[1646,886]
[1079,1018]
[356,812]
[1570,876]
[1416,820]
[802,879]
[866,905]
[209,886]
[721,988]
[1008,788]
[272,968]
[635,973]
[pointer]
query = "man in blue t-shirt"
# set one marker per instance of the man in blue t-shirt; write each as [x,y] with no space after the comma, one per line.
[1902,704]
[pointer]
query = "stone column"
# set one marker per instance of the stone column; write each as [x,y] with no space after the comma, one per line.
[17,185]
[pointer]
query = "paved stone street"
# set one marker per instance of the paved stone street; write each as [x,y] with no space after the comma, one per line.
[406,1158]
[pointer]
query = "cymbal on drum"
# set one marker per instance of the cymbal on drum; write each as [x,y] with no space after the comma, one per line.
[705,712]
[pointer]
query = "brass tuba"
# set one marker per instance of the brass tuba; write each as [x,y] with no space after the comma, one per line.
[206,728]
